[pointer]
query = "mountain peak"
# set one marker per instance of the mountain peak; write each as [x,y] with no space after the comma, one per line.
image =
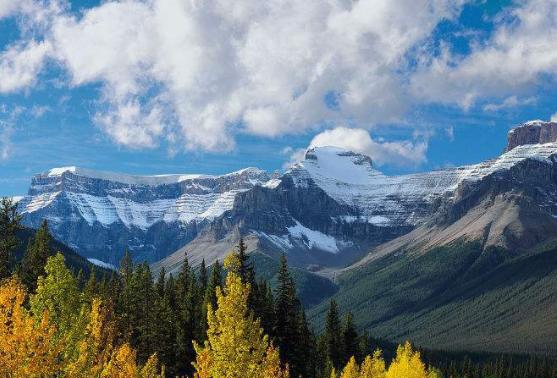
[532,132]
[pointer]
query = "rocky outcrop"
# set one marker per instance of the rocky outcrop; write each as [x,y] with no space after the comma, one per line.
[532,132]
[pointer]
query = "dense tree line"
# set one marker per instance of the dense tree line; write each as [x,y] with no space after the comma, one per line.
[218,321]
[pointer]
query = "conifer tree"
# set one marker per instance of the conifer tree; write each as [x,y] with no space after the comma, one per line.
[349,338]
[34,260]
[186,320]
[164,328]
[214,281]
[333,336]
[245,269]
[92,287]
[203,279]
[236,346]
[10,223]
[287,318]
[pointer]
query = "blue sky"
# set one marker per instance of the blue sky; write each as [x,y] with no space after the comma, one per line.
[128,88]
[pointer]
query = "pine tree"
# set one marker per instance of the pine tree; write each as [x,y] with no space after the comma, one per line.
[10,223]
[164,327]
[287,316]
[34,260]
[203,276]
[92,287]
[333,336]
[349,338]
[186,320]
[236,346]
[214,281]
[245,269]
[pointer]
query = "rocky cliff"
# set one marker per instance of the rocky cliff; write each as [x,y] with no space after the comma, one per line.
[533,132]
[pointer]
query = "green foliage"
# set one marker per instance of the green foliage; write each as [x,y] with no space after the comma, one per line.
[10,223]
[36,255]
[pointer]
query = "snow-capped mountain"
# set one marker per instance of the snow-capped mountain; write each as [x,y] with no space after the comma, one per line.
[101,214]
[336,205]
[327,210]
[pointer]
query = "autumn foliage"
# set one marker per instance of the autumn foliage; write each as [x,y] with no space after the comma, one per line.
[407,364]
[236,346]
[76,341]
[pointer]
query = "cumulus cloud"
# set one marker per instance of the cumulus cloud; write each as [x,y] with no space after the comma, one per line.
[554,118]
[20,65]
[521,51]
[401,153]
[196,73]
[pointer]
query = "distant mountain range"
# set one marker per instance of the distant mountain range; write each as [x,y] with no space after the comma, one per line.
[325,211]
[458,258]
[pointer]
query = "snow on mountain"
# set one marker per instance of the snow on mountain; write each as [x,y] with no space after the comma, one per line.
[137,201]
[350,178]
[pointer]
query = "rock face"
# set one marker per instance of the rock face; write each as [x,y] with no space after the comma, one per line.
[325,211]
[532,132]
[102,214]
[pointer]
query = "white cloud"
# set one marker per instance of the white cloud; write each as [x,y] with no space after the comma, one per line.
[401,153]
[8,7]
[20,65]
[214,67]
[8,119]
[510,102]
[554,117]
[513,61]
[295,155]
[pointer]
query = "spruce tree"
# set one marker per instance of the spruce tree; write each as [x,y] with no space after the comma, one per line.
[10,223]
[214,281]
[203,276]
[349,338]
[245,269]
[36,255]
[287,314]
[186,321]
[333,336]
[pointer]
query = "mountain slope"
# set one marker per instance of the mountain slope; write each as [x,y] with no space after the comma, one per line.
[479,274]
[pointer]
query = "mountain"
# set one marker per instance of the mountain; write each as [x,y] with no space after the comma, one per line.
[326,212]
[480,273]
[102,214]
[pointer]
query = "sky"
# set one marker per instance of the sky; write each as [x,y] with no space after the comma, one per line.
[193,86]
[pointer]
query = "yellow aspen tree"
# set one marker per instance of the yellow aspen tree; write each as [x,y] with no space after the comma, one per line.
[373,367]
[99,357]
[236,346]
[351,370]
[27,346]
[333,373]
[407,364]
[272,367]
[95,349]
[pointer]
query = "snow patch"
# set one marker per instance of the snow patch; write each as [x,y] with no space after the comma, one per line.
[101,264]
[313,239]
